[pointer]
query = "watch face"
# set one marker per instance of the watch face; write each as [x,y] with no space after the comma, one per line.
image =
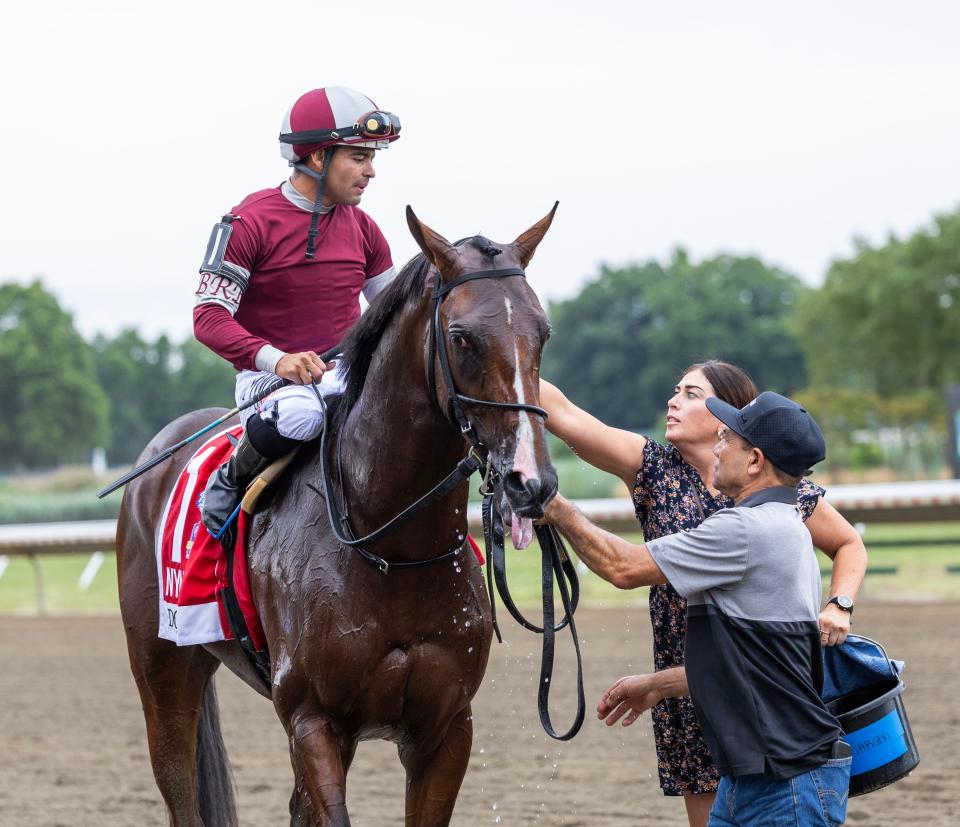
[844,602]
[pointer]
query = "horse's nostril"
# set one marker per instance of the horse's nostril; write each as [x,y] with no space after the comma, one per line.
[533,487]
[521,489]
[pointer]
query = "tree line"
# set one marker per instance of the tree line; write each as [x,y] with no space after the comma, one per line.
[872,350]
[62,396]
[870,353]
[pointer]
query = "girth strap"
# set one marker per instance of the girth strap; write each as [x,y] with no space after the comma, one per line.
[259,661]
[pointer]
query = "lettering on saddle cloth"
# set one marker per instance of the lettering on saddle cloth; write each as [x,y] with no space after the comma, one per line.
[192,565]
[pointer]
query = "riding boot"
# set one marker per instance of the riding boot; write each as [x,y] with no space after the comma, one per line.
[226,487]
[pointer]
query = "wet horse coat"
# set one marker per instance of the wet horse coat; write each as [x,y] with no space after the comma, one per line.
[355,653]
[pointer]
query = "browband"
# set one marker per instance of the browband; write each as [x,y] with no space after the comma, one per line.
[480,274]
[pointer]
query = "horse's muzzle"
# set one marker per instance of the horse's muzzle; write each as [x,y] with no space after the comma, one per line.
[527,497]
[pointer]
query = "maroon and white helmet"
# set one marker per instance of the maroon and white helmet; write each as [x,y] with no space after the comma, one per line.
[333,116]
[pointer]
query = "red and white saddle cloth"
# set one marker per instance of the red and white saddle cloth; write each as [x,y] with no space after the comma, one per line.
[192,566]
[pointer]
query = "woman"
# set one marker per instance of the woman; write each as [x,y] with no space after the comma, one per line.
[672,488]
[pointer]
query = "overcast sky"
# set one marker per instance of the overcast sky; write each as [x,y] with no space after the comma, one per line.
[778,129]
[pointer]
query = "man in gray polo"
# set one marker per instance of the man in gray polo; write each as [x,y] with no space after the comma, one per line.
[753,663]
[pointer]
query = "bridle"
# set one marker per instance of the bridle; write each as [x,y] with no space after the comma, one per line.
[555,561]
[475,459]
[438,344]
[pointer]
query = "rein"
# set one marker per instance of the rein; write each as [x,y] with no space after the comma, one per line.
[555,562]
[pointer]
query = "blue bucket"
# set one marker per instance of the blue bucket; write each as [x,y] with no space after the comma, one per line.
[863,689]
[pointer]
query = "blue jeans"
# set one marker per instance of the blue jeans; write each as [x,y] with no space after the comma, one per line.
[816,798]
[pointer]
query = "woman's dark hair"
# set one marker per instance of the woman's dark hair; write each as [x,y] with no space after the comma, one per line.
[731,384]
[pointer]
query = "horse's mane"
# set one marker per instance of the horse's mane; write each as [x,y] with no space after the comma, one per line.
[364,337]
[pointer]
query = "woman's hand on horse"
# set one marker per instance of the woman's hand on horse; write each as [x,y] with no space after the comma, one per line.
[301,368]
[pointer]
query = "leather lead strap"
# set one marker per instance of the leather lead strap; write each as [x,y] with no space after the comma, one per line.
[551,544]
[492,538]
[555,565]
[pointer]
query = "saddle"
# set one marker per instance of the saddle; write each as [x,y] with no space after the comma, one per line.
[264,480]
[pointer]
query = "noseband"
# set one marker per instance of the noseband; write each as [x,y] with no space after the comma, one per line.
[438,345]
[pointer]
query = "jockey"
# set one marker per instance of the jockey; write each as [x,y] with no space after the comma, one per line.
[281,279]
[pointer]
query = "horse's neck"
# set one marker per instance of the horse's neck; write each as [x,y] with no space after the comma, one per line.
[397,445]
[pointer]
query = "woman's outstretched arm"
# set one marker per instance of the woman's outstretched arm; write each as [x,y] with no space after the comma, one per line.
[839,540]
[613,450]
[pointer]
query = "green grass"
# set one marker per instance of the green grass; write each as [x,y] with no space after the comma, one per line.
[922,574]
[18,585]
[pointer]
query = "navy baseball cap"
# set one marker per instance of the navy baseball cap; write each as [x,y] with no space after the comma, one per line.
[786,434]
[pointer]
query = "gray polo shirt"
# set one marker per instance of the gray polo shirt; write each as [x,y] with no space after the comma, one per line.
[753,657]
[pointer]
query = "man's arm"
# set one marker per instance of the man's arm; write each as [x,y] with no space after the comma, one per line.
[634,694]
[623,564]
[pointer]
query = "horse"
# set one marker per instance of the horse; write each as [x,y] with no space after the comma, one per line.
[446,359]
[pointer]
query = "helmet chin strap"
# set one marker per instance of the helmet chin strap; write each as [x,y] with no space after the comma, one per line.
[321,179]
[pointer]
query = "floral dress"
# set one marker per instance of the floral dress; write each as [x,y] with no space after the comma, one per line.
[669,496]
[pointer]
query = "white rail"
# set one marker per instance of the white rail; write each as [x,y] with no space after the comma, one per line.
[881,502]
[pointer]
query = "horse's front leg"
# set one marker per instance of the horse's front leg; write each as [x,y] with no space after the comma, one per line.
[321,756]
[435,773]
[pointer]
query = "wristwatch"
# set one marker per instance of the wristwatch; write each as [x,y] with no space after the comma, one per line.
[843,602]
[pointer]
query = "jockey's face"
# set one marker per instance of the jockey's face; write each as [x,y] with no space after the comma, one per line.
[351,169]
[689,422]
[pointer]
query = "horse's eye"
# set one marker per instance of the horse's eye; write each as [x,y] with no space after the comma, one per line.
[459,340]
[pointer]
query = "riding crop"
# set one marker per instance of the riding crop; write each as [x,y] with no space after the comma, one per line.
[169,452]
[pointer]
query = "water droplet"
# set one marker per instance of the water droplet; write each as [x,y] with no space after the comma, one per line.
[466,624]
[494,805]
[468,651]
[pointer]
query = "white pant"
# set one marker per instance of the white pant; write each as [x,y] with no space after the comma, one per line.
[299,415]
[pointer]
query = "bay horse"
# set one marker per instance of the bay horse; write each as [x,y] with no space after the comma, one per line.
[357,653]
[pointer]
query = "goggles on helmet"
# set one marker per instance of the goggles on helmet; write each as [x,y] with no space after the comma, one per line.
[374,125]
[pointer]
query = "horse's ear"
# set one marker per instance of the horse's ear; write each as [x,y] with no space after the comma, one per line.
[435,247]
[526,243]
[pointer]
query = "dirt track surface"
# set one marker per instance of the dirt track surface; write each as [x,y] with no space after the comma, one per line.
[73,746]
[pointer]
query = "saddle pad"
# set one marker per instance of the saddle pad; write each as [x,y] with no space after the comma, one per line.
[192,565]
